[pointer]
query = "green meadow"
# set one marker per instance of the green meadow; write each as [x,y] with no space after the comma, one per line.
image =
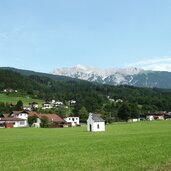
[12,99]
[122,147]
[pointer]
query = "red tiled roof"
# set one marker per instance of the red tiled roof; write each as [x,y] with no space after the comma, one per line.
[11,119]
[51,117]
[32,113]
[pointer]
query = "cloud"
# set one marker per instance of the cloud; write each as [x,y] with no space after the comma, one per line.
[154,64]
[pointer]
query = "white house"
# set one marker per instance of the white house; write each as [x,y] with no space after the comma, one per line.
[58,104]
[16,122]
[34,105]
[74,121]
[72,102]
[21,115]
[10,90]
[150,117]
[46,106]
[53,101]
[119,101]
[134,120]
[95,123]
[28,108]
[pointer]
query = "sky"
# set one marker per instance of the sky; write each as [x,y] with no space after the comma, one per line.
[42,35]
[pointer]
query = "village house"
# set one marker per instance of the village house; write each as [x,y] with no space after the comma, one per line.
[52,119]
[46,105]
[156,116]
[110,99]
[58,104]
[168,116]
[74,121]
[52,101]
[10,90]
[72,102]
[21,115]
[10,122]
[159,117]
[95,123]
[119,101]
[134,120]
[27,108]
[150,117]
[34,105]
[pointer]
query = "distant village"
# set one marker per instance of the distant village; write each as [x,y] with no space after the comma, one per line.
[18,119]
[28,116]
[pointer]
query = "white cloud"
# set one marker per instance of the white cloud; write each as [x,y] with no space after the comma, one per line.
[155,64]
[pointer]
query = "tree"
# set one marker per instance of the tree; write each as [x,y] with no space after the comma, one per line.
[19,105]
[32,119]
[134,110]
[106,112]
[83,113]
[44,122]
[124,112]
[4,108]
[62,112]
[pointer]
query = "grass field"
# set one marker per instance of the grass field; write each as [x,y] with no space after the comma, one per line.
[7,99]
[123,147]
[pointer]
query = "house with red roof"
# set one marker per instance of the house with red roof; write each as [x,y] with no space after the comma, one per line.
[20,119]
[21,115]
[10,122]
[52,119]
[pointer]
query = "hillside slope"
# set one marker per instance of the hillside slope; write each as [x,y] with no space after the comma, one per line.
[90,95]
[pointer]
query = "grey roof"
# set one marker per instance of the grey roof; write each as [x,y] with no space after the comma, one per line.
[97,118]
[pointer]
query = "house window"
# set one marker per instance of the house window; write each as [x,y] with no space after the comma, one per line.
[98,126]
[72,119]
[22,122]
[69,118]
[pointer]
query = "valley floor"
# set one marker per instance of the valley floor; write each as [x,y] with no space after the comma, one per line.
[122,147]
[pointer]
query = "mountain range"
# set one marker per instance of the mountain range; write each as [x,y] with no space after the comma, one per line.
[126,76]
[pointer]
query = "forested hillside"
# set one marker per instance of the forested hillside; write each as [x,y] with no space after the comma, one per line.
[92,96]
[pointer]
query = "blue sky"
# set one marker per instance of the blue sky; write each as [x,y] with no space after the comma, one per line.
[42,35]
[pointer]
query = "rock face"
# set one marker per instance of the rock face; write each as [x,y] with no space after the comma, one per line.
[129,76]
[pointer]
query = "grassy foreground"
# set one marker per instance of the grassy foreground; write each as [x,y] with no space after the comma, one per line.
[123,147]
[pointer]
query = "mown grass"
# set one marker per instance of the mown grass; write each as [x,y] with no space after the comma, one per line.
[11,99]
[122,147]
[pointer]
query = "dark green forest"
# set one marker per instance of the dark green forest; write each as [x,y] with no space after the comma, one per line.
[90,97]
